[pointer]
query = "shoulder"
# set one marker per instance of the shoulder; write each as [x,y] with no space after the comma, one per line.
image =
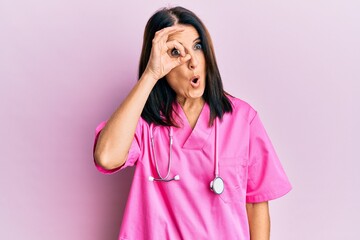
[242,109]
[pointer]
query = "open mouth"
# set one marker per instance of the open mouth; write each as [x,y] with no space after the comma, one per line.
[195,79]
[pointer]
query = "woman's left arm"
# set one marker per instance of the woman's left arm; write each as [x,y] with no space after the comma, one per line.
[259,220]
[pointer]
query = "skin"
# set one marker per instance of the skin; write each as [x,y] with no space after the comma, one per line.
[187,46]
[259,220]
[179,78]
[178,68]
[116,137]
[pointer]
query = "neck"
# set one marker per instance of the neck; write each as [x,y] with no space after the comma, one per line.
[190,104]
[192,109]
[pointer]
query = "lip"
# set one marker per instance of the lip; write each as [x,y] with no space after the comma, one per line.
[195,77]
[197,83]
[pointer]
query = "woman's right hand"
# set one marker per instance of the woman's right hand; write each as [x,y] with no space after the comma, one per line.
[161,61]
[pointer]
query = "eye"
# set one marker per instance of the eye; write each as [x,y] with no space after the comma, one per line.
[198,46]
[175,52]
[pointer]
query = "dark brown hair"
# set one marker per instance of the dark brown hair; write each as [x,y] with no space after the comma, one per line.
[159,106]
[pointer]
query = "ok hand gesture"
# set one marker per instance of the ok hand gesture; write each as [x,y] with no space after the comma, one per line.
[165,55]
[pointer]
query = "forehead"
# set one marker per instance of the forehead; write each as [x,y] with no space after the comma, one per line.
[187,36]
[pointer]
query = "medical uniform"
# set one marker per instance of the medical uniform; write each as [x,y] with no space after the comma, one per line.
[188,209]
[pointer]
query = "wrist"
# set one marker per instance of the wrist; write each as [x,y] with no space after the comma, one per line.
[149,77]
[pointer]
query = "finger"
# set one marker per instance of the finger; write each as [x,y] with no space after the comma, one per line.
[184,59]
[180,60]
[175,44]
[165,32]
[168,30]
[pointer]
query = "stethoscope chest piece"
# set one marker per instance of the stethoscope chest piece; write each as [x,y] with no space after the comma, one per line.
[217,185]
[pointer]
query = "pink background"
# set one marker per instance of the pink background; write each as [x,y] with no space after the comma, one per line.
[66,65]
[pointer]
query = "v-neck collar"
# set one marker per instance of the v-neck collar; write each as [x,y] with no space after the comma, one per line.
[192,138]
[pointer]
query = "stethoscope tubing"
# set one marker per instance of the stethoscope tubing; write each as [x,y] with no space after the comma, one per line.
[161,178]
[216,185]
[216,148]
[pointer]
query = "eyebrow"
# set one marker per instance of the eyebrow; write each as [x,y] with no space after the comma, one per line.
[193,41]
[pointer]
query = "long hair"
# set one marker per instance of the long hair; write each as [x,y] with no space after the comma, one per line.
[158,108]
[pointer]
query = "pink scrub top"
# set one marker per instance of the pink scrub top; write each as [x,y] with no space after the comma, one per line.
[188,209]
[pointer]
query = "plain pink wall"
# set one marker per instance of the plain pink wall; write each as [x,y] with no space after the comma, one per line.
[66,65]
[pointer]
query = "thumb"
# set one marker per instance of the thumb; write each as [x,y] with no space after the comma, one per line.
[184,59]
[179,61]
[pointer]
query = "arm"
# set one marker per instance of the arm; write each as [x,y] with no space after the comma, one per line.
[116,137]
[259,220]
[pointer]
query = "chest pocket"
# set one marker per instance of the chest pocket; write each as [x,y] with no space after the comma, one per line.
[234,173]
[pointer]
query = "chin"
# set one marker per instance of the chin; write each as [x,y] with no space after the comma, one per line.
[197,94]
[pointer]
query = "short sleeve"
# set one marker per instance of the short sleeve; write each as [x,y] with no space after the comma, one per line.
[266,177]
[133,154]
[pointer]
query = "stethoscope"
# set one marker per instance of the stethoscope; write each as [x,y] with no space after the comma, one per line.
[216,185]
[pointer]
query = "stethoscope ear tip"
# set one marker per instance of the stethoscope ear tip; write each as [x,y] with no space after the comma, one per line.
[177,177]
[151,179]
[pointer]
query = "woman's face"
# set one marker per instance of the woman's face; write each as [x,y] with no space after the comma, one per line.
[188,79]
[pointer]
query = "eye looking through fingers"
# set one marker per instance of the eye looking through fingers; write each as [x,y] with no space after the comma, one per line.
[175,52]
[175,49]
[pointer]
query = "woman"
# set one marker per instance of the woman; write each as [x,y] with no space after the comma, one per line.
[205,167]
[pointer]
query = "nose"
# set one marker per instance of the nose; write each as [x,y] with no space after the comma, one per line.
[193,62]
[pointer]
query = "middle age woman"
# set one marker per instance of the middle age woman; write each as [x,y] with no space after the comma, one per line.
[205,166]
